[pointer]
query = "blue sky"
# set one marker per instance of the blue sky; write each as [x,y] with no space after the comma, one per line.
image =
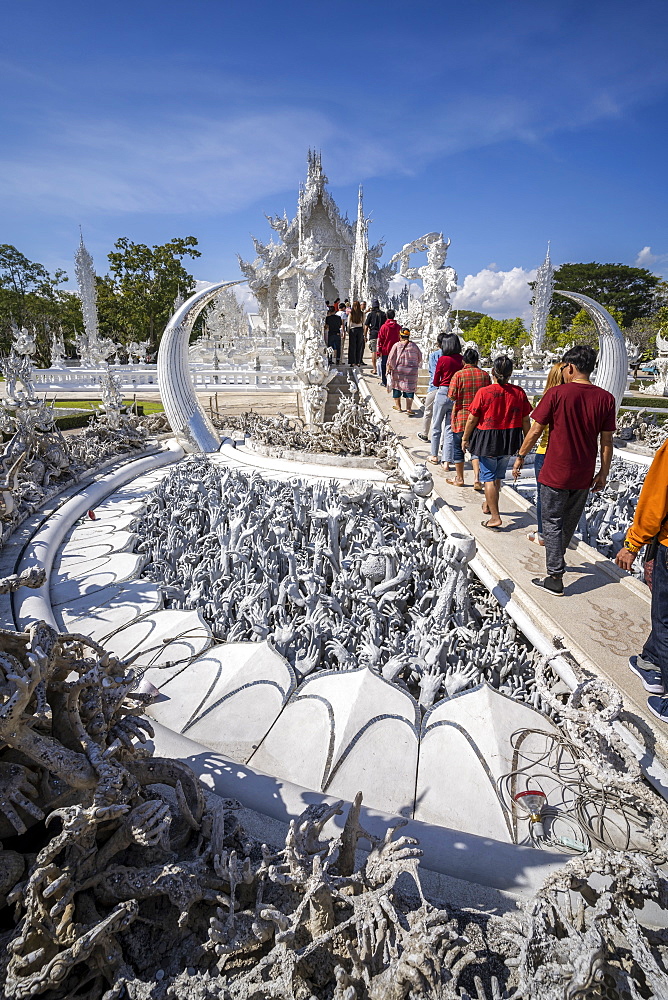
[504,124]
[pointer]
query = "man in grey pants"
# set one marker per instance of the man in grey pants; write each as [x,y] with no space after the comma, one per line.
[577,413]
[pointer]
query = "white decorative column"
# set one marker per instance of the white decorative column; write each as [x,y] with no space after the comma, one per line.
[542,301]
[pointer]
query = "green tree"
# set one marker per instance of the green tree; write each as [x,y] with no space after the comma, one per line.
[511,331]
[468,318]
[143,283]
[31,297]
[630,290]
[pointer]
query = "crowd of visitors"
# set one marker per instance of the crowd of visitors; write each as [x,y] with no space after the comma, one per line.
[493,420]
[352,322]
[570,428]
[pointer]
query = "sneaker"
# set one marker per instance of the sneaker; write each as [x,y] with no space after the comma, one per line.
[553,585]
[658,706]
[648,674]
[423,437]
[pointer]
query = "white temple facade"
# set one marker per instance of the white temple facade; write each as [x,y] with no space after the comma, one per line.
[352,265]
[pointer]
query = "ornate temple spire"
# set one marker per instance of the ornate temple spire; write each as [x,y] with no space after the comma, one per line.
[84,269]
[359,271]
[542,301]
[315,176]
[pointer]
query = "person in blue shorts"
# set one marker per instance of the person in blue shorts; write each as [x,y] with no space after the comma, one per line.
[497,422]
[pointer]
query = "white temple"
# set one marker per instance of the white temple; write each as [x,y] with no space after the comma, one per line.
[352,265]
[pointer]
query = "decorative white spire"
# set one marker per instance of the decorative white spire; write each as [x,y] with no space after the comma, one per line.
[542,301]
[359,271]
[85,272]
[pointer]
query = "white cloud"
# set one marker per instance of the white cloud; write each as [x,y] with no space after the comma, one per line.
[501,294]
[645,258]
[243,294]
[182,164]
[246,298]
[657,262]
[397,285]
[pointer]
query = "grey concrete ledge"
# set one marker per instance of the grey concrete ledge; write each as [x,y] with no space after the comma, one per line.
[280,466]
[507,867]
[35,605]
[310,457]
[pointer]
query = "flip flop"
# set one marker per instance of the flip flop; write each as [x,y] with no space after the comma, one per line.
[478,487]
[397,408]
[453,482]
[491,527]
[433,460]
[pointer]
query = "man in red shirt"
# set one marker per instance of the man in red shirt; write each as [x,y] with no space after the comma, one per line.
[388,336]
[578,414]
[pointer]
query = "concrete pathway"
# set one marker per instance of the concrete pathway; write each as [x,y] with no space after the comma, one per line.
[604,616]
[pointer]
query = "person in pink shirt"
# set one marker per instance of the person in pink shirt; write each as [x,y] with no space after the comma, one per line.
[388,336]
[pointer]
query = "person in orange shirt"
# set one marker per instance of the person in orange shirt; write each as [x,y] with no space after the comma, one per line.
[650,524]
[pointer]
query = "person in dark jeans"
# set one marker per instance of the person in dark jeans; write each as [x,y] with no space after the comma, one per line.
[650,526]
[577,413]
[333,324]
[372,324]
[356,335]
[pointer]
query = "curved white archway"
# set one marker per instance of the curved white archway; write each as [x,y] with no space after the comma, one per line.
[613,361]
[192,428]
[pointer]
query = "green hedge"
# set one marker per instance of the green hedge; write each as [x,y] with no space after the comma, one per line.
[647,402]
[74,420]
[83,419]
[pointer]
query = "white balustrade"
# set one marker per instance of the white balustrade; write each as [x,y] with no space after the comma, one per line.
[145,377]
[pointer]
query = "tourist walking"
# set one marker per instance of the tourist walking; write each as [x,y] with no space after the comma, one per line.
[463,388]
[498,420]
[372,324]
[578,414]
[449,363]
[403,363]
[650,527]
[431,391]
[333,326]
[554,377]
[355,334]
[388,336]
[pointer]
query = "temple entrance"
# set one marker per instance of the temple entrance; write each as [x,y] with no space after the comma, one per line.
[329,290]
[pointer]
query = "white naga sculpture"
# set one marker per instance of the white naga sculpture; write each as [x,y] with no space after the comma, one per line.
[57,349]
[438,283]
[264,281]
[136,351]
[660,385]
[311,362]
[24,342]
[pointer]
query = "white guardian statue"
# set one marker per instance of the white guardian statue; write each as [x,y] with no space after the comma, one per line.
[438,284]
[311,362]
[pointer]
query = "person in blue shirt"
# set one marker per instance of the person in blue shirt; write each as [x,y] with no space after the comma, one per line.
[431,391]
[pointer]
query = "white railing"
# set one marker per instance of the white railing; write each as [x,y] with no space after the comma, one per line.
[145,377]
